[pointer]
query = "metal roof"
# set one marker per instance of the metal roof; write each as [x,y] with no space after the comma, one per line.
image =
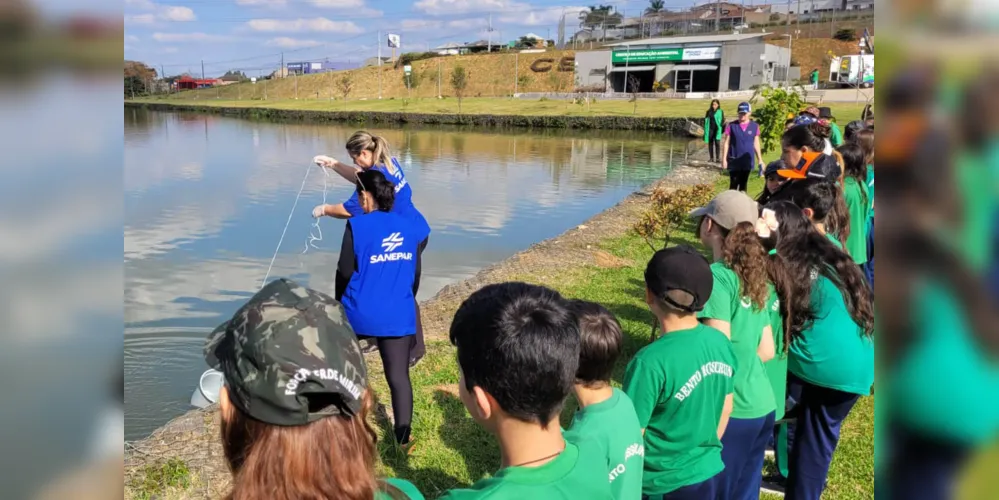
[677,40]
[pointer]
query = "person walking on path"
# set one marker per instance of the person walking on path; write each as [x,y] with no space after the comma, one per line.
[714,120]
[741,149]
[815,79]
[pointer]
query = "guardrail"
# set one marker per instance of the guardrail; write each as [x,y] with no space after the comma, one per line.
[669,94]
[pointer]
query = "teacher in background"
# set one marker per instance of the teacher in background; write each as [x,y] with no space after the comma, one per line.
[741,148]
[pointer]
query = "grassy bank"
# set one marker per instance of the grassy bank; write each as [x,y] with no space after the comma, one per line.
[453,451]
[675,108]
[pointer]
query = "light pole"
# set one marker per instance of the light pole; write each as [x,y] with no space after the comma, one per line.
[787,69]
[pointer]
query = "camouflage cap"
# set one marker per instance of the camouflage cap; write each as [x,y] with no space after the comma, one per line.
[289,356]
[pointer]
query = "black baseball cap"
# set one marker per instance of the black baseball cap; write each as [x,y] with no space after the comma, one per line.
[773,167]
[289,356]
[680,268]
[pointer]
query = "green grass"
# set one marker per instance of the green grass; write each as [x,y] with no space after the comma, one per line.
[452,451]
[157,479]
[500,106]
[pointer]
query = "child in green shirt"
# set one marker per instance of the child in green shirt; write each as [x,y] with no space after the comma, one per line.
[606,417]
[518,352]
[817,199]
[858,201]
[739,307]
[682,383]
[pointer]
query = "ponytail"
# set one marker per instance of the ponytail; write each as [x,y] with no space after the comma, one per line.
[744,254]
[364,141]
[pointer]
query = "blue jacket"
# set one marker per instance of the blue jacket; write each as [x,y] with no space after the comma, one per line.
[378,298]
[403,197]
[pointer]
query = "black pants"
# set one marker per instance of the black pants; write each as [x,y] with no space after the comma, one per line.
[739,180]
[419,347]
[394,352]
[921,466]
[714,148]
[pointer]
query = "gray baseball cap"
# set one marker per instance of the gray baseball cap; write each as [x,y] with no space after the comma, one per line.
[730,208]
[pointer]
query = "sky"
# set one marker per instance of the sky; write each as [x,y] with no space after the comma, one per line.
[174,36]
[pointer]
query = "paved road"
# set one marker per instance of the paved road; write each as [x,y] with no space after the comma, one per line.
[847,95]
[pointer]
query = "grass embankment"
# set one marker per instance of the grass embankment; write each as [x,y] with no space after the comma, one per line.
[844,112]
[453,451]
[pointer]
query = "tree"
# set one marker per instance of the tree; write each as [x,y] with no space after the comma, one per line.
[668,211]
[527,42]
[846,35]
[655,7]
[634,85]
[345,84]
[240,76]
[459,81]
[137,78]
[772,112]
[601,16]
[139,70]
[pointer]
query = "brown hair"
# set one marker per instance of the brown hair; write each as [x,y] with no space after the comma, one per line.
[364,141]
[599,343]
[333,457]
[865,138]
[744,254]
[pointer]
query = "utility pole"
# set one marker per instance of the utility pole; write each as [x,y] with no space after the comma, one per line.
[197,94]
[282,65]
[163,77]
[489,37]
[379,44]
[718,16]
[516,73]
[296,85]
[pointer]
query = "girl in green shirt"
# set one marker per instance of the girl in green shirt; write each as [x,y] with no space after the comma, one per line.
[739,307]
[830,316]
[857,200]
[714,123]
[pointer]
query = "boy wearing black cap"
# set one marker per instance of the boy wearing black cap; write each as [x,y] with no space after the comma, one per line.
[836,136]
[681,384]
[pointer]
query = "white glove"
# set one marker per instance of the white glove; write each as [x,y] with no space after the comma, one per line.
[324,161]
[319,211]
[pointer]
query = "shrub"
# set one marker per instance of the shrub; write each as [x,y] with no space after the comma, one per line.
[594,88]
[846,35]
[668,211]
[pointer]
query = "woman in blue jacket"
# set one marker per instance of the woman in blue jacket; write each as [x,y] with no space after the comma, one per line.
[374,282]
[371,152]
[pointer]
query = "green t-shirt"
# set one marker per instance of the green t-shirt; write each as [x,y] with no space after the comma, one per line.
[859,207]
[678,385]
[753,396]
[579,468]
[870,186]
[832,238]
[404,486]
[613,428]
[944,385]
[836,135]
[776,368]
[834,352]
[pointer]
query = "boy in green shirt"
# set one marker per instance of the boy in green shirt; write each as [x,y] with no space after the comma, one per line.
[681,384]
[518,351]
[606,417]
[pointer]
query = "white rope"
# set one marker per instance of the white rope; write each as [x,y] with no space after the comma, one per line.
[313,238]
[286,224]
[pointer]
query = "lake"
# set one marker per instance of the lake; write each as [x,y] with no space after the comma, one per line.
[207,198]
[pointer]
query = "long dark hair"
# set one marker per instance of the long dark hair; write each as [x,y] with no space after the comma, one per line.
[778,272]
[333,457]
[381,189]
[812,136]
[710,112]
[806,255]
[826,200]
[855,166]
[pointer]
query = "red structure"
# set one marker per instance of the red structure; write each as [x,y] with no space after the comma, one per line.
[187,83]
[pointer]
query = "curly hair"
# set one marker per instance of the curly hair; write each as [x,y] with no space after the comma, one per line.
[744,254]
[804,252]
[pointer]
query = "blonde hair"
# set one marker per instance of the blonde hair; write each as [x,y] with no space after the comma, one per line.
[364,141]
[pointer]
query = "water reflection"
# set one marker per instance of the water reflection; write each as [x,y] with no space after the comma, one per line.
[207,197]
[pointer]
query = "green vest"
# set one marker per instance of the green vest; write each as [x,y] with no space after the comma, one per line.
[719,119]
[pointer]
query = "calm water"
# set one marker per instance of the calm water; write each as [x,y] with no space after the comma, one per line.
[206,199]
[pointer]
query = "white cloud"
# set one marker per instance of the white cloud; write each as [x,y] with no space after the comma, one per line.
[292,43]
[442,7]
[140,19]
[175,13]
[357,8]
[262,3]
[189,37]
[170,13]
[319,24]
[131,38]
[420,24]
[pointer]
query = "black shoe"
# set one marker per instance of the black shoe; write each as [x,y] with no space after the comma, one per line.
[774,484]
